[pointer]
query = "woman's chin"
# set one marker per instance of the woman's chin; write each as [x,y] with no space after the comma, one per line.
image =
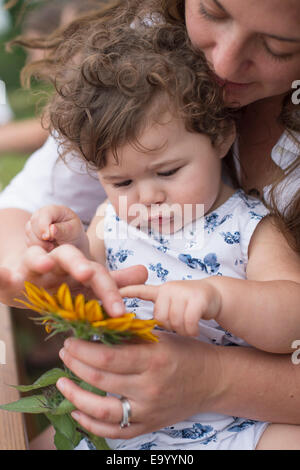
[239,98]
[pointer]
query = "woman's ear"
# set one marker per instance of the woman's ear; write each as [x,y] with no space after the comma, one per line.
[225,142]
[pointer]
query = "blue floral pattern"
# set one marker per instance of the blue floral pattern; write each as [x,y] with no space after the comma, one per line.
[226,233]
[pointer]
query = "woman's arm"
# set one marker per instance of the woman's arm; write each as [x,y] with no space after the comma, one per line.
[22,136]
[258,385]
[264,310]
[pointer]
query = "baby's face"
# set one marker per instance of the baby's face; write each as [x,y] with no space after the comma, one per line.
[171,183]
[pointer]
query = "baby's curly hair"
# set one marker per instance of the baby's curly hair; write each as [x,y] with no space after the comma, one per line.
[128,77]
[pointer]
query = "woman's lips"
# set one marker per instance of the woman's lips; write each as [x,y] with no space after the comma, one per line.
[230,85]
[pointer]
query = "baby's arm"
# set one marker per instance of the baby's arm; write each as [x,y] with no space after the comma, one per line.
[264,309]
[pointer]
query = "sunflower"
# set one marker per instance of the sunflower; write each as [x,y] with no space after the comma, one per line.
[88,320]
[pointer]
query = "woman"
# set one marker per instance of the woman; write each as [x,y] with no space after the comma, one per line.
[254,50]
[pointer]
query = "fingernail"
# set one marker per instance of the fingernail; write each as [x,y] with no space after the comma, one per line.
[75,415]
[118,308]
[60,384]
[62,353]
[82,267]
[67,343]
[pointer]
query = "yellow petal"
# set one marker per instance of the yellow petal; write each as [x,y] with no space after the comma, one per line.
[79,306]
[149,337]
[50,299]
[32,288]
[125,326]
[117,323]
[30,306]
[65,298]
[93,311]
[48,328]
[37,300]
[66,314]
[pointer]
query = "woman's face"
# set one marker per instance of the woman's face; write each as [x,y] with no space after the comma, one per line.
[253,46]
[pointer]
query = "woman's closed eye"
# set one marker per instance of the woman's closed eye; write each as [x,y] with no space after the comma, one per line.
[212,15]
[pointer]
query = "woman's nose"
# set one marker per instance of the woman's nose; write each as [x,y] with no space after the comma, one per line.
[231,57]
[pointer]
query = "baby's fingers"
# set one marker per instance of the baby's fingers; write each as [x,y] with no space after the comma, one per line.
[69,231]
[141,292]
[32,239]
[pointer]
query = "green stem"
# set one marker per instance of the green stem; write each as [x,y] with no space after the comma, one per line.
[99,442]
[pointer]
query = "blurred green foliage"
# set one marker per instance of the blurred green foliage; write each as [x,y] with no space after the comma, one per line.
[24,103]
[12,63]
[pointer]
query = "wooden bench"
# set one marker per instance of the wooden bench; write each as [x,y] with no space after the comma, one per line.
[12,425]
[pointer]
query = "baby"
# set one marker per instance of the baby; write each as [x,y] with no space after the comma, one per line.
[146,112]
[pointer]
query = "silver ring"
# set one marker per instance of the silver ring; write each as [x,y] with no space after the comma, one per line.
[126,413]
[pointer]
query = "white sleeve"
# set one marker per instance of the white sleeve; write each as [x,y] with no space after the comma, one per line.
[6,114]
[46,179]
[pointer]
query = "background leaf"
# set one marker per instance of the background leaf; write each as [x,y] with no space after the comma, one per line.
[36,404]
[49,378]
[67,437]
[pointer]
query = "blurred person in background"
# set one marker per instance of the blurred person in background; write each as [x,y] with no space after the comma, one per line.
[6,113]
[26,136]
[40,19]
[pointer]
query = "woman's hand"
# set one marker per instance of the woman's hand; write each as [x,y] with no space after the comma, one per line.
[67,264]
[160,381]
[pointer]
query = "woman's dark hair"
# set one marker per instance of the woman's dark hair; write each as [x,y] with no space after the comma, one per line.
[288,220]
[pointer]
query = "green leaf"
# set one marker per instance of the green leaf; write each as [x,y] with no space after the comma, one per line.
[62,443]
[63,408]
[99,442]
[35,404]
[49,378]
[67,437]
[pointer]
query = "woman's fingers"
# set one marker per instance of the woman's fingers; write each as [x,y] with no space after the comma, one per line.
[107,409]
[92,274]
[5,278]
[106,430]
[100,415]
[103,380]
[36,260]
[125,359]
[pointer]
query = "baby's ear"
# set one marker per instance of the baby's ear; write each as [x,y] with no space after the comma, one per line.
[225,141]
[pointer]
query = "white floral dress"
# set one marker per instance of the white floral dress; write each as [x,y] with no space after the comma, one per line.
[216,244]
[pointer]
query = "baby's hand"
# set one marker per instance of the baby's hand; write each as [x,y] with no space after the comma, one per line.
[179,305]
[52,226]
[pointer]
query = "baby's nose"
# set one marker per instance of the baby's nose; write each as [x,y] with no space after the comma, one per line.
[151,194]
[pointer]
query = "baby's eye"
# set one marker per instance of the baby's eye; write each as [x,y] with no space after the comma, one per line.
[169,173]
[122,184]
